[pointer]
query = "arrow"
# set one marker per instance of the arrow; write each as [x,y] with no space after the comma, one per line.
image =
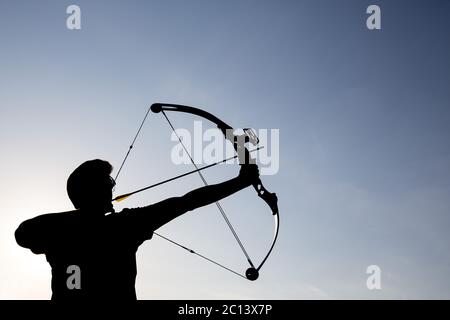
[127,195]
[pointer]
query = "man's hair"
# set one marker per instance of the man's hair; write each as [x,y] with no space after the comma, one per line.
[84,180]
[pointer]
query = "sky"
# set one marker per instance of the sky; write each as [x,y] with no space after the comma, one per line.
[363,116]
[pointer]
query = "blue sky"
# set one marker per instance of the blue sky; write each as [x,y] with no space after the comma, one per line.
[364,124]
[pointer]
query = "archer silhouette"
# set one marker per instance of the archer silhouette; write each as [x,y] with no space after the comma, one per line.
[103,246]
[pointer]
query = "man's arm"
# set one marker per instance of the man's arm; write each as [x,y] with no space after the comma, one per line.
[209,194]
[169,209]
[35,233]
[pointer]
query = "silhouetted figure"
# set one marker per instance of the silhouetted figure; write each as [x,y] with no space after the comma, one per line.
[103,246]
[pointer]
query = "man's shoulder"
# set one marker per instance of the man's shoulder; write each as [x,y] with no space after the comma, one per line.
[137,216]
[131,211]
[134,221]
[64,215]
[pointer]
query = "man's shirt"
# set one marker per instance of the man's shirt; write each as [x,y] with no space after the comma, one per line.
[102,247]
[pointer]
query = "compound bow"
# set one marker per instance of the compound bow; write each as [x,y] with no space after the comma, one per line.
[244,156]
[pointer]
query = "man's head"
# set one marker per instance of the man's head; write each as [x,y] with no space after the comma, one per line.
[90,186]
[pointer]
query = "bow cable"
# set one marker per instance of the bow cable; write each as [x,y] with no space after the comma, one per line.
[199,255]
[132,144]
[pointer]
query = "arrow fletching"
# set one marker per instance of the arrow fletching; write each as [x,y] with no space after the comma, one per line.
[121,197]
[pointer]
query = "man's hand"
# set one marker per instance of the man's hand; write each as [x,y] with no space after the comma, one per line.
[249,173]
